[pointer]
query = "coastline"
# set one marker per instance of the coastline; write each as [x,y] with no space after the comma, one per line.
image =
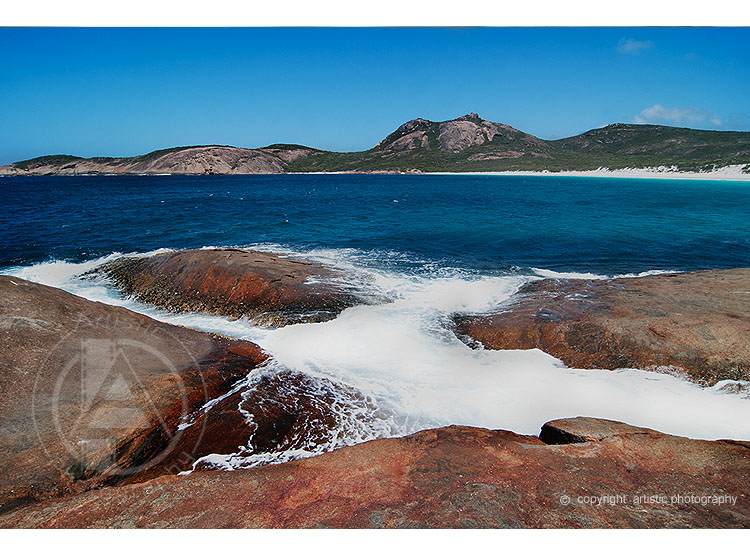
[412,476]
[726,173]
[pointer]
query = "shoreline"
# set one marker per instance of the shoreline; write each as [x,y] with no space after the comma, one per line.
[713,470]
[726,173]
[313,340]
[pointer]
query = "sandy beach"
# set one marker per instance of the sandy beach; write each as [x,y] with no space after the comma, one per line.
[727,173]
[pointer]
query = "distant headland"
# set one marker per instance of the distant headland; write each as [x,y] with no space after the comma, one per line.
[465,144]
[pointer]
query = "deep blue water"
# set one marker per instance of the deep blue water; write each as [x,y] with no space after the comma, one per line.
[487,223]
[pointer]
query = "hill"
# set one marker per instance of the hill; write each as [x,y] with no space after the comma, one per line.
[468,143]
[199,160]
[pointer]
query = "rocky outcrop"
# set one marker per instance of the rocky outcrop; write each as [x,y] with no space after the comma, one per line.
[93,395]
[697,323]
[411,135]
[469,130]
[583,473]
[102,407]
[267,421]
[196,160]
[210,160]
[266,288]
[456,135]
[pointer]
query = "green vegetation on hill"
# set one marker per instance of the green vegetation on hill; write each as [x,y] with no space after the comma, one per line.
[470,143]
[53,159]
[654,145]
[614,146]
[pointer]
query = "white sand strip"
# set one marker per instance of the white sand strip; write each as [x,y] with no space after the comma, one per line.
[727,173]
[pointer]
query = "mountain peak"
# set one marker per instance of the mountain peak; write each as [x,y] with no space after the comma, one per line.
[469,116]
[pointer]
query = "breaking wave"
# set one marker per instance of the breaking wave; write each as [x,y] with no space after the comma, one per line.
[396,367]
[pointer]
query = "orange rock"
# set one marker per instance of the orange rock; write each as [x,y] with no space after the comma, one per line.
[232,282]
[696,322]
[613,475]
[92,394]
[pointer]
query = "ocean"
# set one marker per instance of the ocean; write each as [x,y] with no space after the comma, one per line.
[480,223]
[435,246]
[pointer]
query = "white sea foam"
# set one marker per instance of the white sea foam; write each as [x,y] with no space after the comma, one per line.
[405,360]
[587,275]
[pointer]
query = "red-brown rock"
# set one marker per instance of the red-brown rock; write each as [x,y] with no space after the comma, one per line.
[278,412]
[92,394]
[612,475]
[696,322]
[268,289]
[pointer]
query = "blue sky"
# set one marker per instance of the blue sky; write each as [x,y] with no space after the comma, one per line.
[122,92]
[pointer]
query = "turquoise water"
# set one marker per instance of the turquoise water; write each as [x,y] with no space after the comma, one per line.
[483,223]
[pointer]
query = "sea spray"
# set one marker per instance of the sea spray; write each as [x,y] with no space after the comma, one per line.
[408,366]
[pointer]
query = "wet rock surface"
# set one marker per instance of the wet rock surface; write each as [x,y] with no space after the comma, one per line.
[92,395]
[273,418]
[268,289]
[696,323]
[589,473]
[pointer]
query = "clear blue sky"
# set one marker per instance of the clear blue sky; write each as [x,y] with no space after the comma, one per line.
[121,92]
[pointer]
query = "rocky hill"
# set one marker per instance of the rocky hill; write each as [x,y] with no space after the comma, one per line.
[193,160]
[468,143]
